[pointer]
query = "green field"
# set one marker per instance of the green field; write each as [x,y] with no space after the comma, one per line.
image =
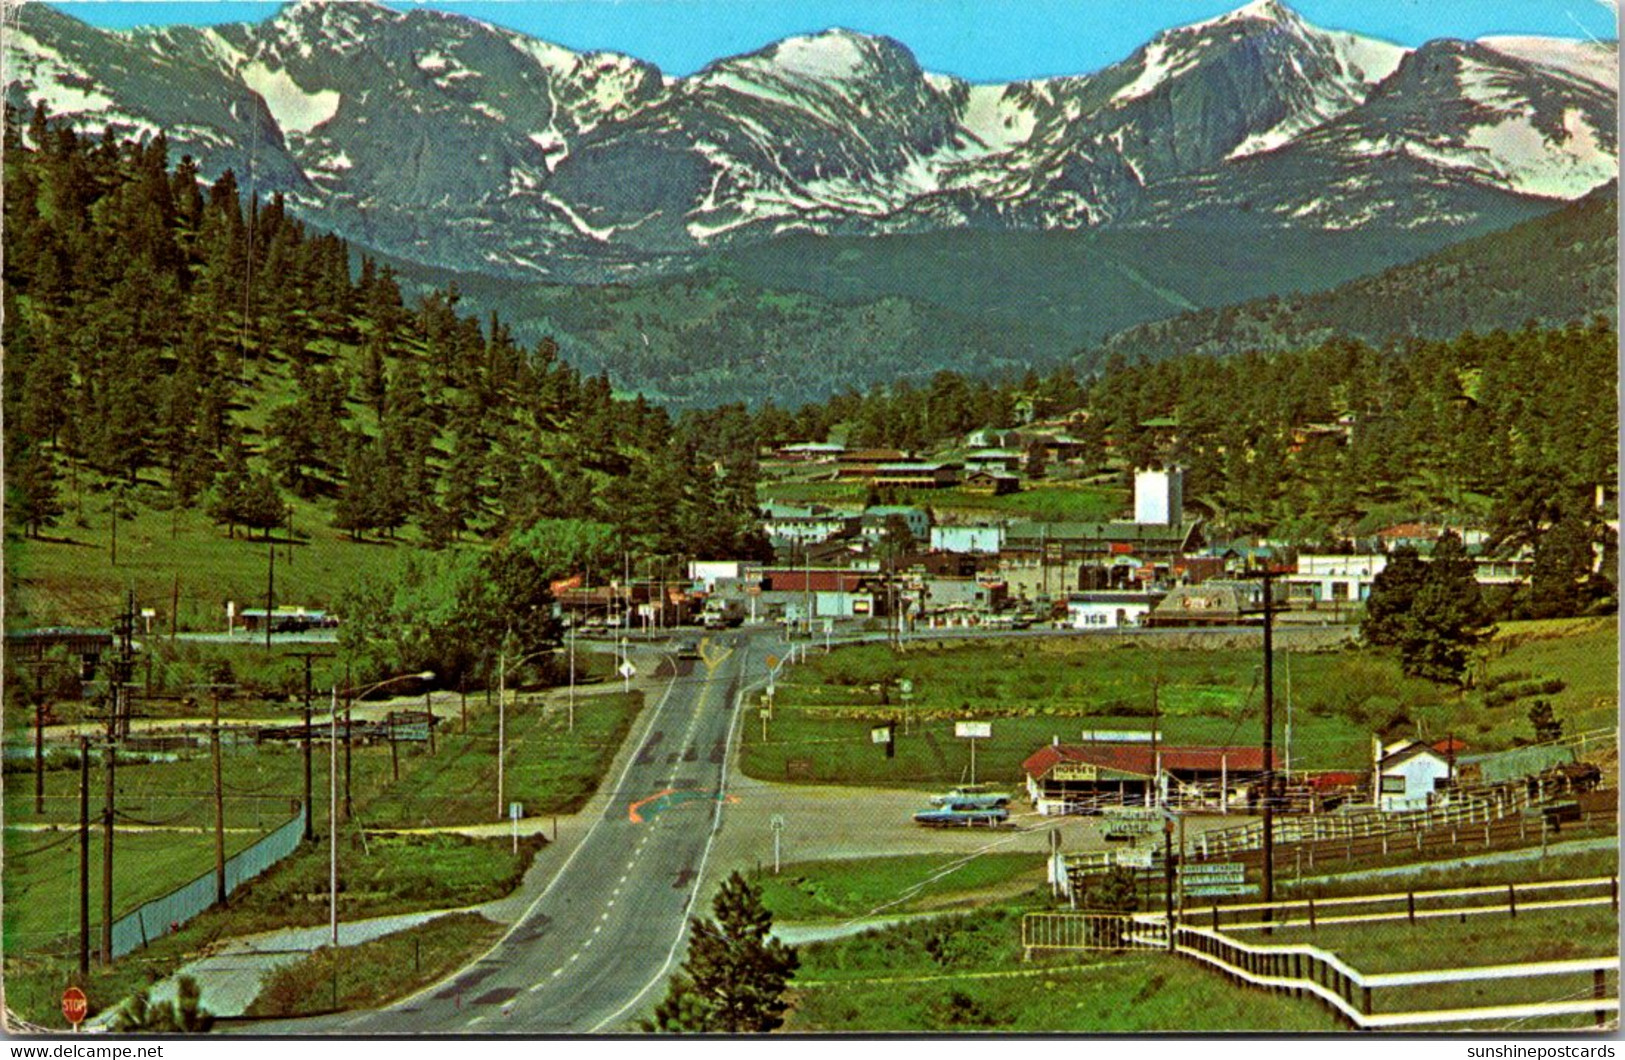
[42,878]
[1046,502]
[966,974]
[1038,689]
[824,890]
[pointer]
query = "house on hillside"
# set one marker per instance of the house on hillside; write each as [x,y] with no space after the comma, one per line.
[980,540]
[1406,774]
[872,524]
[992,483]
[916,476]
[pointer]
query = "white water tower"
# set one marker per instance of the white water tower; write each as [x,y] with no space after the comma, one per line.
[1159,496]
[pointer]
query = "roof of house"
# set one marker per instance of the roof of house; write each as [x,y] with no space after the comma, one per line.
[1405,754]
[912,469]
[872,456]
[1148,532]
[1140,759]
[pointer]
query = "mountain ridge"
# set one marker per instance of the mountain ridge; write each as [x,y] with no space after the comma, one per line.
[445,140]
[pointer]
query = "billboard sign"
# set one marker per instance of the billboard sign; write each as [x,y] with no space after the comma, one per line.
[973,730]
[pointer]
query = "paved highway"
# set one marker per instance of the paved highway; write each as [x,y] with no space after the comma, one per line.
[593,952]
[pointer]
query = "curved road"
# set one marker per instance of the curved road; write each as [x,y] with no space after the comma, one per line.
[593,951]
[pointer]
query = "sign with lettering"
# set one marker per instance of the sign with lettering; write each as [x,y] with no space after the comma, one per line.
[973,730]
[1075,771]
[1224,890]
[74,1006]
[880,734]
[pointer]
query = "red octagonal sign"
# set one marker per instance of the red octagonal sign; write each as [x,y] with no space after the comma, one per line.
[74,1005]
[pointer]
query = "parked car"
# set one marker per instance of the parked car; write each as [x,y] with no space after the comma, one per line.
[980,796]
[964,815]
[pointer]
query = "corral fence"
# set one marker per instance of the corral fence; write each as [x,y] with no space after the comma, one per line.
[159,917]
[1365,1000]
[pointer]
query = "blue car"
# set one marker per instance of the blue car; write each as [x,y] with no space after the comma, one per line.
[962,814]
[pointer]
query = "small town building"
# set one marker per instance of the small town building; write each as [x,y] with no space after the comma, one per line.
[916,476]
[1109,610]
[1333,581]
[872,524]
[1071,778]
[282,619]
[1406,774]
[970,595]
[811,451]
[976,540]
[993,483]
[861,465]
[994,460]
[1213,603]
[791,524]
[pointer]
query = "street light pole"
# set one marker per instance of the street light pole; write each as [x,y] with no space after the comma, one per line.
[502,722]
[333,791]
[332,808]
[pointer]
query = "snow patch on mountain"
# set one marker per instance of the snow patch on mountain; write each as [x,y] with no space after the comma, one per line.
[294,109]
[1530,163]
[836,55]
[1590,60]
[996,118]
[1369,59]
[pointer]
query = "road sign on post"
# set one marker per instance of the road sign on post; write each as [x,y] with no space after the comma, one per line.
[516,810]
[74,1006]
[777,824]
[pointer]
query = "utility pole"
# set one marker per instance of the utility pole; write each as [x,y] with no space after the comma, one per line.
[305,739]
[220,807]
[270,586]
[1156,762]
[84,857]
[107,851]
[349,807]
[1269,743]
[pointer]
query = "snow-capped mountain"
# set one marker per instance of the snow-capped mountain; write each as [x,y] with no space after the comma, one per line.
[446,140]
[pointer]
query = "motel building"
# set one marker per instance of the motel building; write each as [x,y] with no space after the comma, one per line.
[1084,778]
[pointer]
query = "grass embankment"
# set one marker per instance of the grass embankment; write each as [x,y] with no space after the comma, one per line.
[378,876]
[377,972]
[825,890]
[958,974]
[69,578]
[1034,690]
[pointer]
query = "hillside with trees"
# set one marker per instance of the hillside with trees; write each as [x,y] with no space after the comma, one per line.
[1553,269]
[181,348]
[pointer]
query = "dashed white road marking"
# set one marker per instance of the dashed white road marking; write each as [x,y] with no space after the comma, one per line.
[596,928]
[557,972]
[538,986]
[574,957]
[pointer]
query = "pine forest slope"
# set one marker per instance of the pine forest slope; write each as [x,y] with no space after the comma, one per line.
[1552,269]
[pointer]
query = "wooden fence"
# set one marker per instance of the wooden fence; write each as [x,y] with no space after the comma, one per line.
[1304,970]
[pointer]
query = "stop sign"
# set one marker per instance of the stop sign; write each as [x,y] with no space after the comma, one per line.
[74,1005]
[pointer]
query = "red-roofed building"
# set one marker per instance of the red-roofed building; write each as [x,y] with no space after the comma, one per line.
[1062,775]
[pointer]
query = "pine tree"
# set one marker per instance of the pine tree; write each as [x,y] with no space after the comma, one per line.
[734,978]
[1393,592]
[32,500]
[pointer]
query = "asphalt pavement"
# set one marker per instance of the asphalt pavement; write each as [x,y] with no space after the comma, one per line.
[593,950]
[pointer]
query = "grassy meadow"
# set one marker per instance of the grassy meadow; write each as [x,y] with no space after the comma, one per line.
[1037,689]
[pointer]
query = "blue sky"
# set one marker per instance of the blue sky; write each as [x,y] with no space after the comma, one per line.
[981,40]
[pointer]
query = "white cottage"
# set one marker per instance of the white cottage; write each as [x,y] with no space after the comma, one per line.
[1406,774]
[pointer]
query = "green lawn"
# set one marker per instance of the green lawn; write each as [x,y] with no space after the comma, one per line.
[376,972]
[378,876]
[42,878]
[822,890]
[966,973]
[1034,690]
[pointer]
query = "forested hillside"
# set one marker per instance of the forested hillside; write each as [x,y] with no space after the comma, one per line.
[1513,430]
[177,347]
[1552,269]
